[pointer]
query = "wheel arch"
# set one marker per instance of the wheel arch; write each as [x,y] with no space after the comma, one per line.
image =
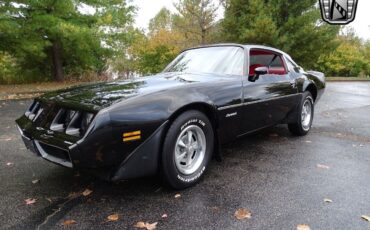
[311,87]
[207,109]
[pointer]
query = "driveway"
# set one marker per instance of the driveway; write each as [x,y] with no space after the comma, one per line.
[283,180]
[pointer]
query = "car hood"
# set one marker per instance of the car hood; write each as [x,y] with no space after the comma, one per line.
[100,95]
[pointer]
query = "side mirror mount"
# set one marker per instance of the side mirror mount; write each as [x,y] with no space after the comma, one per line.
[257,73]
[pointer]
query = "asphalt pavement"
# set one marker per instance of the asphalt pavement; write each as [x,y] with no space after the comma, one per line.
[282,180]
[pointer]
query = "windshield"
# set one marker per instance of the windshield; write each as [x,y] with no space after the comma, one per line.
[219,60]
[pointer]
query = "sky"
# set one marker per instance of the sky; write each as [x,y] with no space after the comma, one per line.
[149,8]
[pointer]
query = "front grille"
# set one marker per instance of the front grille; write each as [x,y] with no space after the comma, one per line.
[54,154]
[64,120]
[34,111]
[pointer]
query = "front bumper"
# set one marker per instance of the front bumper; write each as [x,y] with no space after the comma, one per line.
[48,152]
[98,154]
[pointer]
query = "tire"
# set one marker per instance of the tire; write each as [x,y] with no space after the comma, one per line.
[303,123]
[184,162]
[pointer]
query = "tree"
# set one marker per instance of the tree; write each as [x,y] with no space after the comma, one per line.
[162,21]
[195,19]
[152,54]
[248,22]
[347,60]
[366,51]
[63,36]
[293,26]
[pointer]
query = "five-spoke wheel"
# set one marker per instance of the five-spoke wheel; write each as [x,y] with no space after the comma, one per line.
[304,116]
[187,149]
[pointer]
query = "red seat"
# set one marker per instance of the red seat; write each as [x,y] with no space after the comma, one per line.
[277,70]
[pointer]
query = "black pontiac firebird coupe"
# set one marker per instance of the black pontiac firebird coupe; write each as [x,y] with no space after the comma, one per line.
[172,122]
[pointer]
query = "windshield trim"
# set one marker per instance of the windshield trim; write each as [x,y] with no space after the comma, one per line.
[211,46]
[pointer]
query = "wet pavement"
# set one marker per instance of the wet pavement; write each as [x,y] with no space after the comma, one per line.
[271,173]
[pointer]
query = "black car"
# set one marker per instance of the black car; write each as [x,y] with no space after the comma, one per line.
[175,121]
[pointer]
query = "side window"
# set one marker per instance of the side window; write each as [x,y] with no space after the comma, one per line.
[292,66]
[265,58]
[236,63]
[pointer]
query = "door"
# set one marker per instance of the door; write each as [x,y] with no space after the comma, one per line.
[269,99]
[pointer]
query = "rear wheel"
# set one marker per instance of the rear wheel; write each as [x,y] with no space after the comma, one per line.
[305,115]
[187,149]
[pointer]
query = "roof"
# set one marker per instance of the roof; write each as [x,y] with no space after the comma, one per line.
[246,46]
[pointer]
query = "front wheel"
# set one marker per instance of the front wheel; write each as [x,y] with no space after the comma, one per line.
[304,116]
[187,149]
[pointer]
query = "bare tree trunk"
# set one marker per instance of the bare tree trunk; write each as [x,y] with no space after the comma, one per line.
[203,36]
[57,68]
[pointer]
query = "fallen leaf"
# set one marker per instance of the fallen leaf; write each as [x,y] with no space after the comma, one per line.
[242,213]
[69,222]
[303,227]
[177,195]
[151,226]
[365,217]
[164,215]
[35,181]
[146,225]
[326,200]
[323,166]
[361,145]
[140,225]
[48,199]
[113,217]
[308,141]
[87,192]
[9,164]
[30,201]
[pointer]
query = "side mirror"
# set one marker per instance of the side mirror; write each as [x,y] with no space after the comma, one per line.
[257,73]
[261,70]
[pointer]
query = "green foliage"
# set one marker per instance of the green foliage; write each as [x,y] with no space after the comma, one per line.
[163,20]
[293,26]
[73,39]
[169,33]
[347,60]
[195,20]
[366,53]
[152,54]
[52,38]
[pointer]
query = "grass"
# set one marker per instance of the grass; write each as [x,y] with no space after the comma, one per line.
[25,91]
[348,78]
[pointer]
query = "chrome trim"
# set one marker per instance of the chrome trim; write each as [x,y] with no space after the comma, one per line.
[52,158]
[230,106]
[71,130]
[22,134]
[271,99]
[55,126]
[256,101]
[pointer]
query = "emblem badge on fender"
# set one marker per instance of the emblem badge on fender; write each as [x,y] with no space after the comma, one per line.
[338,12]
[231,114]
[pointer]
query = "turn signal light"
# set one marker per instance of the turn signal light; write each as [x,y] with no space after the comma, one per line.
[131,136]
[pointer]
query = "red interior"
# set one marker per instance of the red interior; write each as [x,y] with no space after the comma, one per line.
[252,68]
[271,70]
